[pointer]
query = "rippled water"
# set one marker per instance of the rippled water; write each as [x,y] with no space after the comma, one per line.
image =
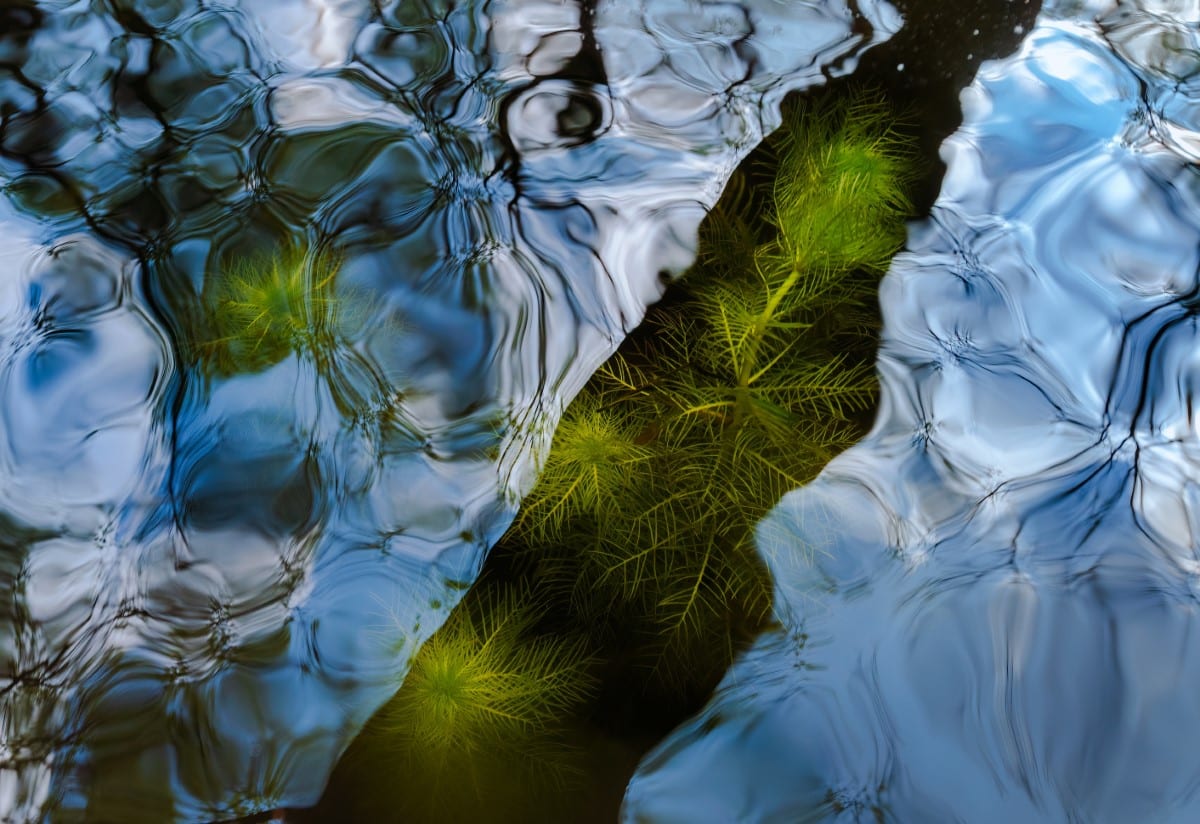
[989,607]
[217,555]
[216,562]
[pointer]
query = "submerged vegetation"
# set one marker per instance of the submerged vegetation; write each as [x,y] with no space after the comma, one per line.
[639,535]
[262,310]
[478,717]
[478,728]
[740,389]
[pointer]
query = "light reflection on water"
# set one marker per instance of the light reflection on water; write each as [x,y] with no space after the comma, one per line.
[215,568]
[989,606]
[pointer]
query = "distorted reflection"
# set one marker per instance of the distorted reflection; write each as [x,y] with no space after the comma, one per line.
[243,484]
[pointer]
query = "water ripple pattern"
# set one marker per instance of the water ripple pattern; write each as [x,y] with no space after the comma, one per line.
[219,553]
[989,607]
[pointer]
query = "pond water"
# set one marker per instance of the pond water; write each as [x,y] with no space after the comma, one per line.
[989,606]
[222,544]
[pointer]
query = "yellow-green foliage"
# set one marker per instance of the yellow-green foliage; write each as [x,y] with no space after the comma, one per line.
[478,716]
[260,311]
[726,399]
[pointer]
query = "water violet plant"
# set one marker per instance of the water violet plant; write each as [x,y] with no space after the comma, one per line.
[737,390]
[639,534]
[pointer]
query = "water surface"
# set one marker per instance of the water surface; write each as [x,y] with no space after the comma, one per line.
[989,607]
[219,552]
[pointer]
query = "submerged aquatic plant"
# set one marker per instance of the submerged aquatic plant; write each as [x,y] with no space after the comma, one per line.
[596,454]
[728,397]
[478,716]
[638,535]
[261,310]
[485,680]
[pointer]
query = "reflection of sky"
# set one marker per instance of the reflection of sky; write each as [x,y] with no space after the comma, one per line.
[989,606]
[217,574]
[308,34]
